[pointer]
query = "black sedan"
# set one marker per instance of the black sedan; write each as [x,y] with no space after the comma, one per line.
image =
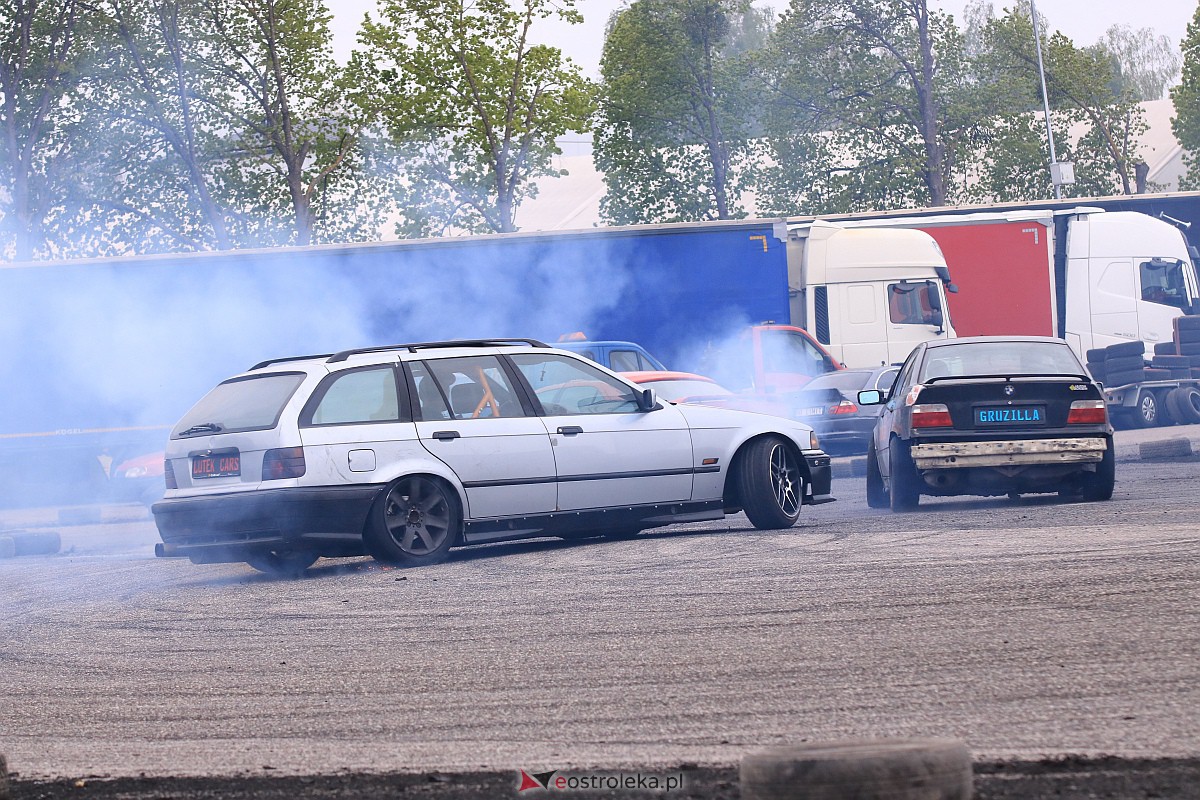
[829,404]
[989,416]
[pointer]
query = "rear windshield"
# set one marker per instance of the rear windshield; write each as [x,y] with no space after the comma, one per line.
[842,380]
[1000,358]
[241,404]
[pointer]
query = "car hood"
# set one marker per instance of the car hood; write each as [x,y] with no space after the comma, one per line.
[699,416]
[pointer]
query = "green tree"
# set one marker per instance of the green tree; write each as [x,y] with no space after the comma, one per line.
[885,83]
[472,105]
[42,45]
[282,99]
[673,133]
[1145,64]
[1186,97]
[1086,95]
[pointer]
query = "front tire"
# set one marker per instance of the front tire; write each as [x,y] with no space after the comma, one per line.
[770,484]
[415,523]
[877,495]
[904,493]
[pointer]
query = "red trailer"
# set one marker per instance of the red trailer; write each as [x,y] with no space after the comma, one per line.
[1005,275]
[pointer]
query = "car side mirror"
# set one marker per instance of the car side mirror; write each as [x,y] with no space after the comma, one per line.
[647,401]
[870,397]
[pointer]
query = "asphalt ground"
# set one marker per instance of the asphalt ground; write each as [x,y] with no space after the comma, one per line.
[1058,640]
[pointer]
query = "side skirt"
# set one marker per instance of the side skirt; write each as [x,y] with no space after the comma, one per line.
[555,523]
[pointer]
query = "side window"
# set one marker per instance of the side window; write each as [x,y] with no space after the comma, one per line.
[477,387]
[886,379]
[356,396]
[788,351]
[905,377]
[625,361]
[430,402]
[913,304]
[1163,283]
[569,386]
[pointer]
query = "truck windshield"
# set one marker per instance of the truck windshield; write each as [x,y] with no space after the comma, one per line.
[1164,281]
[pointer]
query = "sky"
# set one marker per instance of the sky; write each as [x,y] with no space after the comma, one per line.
[1084,21]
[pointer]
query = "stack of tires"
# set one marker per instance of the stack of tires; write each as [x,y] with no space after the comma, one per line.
[1182,357]
[1119,364]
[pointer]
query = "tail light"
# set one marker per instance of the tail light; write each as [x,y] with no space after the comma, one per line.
[931,415]
[169,474]
[283,462]
[1088,412]
[844,407]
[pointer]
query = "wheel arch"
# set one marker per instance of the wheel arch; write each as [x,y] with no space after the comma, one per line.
[451,481]
[730,494]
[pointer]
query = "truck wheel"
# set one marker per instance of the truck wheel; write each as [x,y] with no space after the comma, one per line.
[877,496]
[1184,403]
[282,563]
[414,523]
[1146,414]
[904,492]
[770,484]
[1098,485]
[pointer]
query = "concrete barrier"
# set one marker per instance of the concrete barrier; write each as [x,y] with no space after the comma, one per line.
[863,769]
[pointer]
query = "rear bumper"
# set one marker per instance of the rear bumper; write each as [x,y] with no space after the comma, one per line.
[325,519]
[1019,452]
[820,475]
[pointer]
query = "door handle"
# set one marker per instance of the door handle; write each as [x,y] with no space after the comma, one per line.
[570,430]
[445,436]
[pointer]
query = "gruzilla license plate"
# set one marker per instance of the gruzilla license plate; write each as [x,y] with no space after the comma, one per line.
[217,465]
[1011,415]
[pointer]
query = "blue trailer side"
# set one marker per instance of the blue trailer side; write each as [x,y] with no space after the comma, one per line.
[104,355]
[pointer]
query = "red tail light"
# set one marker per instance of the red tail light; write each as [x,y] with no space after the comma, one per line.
[1088,412]
[169,474]
[931,415]
[844,407]
[284,462]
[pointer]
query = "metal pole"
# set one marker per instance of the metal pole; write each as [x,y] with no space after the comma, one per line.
[1037,40]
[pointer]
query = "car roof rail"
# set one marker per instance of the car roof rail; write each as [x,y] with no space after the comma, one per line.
[271,361]
[413,347]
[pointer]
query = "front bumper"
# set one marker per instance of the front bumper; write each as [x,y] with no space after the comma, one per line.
[1018,452]
[327,519]
[820,476]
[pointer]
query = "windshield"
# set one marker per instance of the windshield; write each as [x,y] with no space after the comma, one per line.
[241,404]
[999,358]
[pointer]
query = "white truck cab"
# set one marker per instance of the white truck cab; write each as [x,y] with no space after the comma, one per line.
[869,295]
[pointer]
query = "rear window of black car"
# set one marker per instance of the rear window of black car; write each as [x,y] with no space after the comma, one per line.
[240,404]
[999,358]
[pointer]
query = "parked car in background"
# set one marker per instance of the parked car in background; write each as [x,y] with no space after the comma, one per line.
[989,415]
[405,451]
[138,479]
[829,403]
[616,355]
[687,387]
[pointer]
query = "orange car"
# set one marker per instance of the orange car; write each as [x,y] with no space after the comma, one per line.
[687,387]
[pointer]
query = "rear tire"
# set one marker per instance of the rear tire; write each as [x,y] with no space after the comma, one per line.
[904,493]
[415,523]
[1098,485]
[770,484]
[282,564]
[877,494]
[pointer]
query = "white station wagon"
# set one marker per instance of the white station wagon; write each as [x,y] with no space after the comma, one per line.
[405,451]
